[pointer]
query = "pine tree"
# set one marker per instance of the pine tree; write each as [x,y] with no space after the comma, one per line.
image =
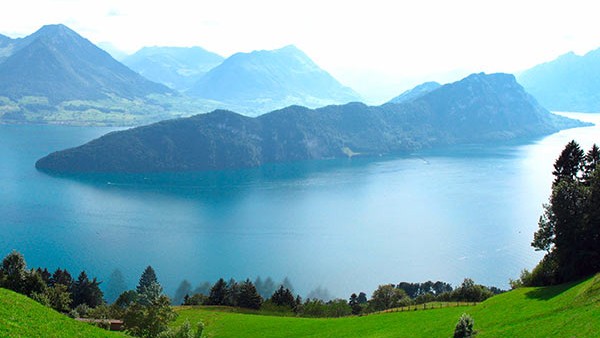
[249,297]
[147,278]
[218,293]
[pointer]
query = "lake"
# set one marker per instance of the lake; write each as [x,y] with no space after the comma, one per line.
[342,225]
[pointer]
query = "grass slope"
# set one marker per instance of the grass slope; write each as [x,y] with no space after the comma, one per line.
[23,317]
[569,310]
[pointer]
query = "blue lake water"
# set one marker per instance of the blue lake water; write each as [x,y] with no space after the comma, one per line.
[342,225]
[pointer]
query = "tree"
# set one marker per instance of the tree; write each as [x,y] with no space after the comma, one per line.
[87,291]
[354,305]
[569,163]
[147,278]
[218,293]
[283,297]
[62,277]
[150,313]
[362,298]
[386,297]
[58,298]
[568,229]
[464,327]
[248,296]
[14,271]
[232,293]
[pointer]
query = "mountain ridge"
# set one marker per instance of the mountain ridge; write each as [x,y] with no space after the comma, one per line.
[479,108]
[567,83]
[272,79]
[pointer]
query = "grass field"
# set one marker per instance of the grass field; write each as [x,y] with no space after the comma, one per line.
[569,310]
[23,317]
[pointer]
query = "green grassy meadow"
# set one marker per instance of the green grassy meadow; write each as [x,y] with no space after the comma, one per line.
[568,310]
[23,317]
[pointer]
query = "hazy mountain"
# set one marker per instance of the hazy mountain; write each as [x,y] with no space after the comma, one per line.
[176,67]
[269,80]
[6,47]
[57,63]
[569,83]
[416,92]
[479,108]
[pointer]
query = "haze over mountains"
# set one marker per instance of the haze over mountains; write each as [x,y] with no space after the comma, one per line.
[569,83]
[56,76]
[272,79]
[479,108]
[177,67]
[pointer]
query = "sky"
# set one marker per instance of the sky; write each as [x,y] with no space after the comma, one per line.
[378,47]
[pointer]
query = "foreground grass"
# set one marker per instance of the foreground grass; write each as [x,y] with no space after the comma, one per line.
[23,317]
[570,310]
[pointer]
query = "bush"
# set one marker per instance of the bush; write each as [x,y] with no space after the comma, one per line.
[464,327]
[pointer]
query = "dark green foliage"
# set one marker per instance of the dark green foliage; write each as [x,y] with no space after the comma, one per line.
[362,298]
[232,294]
[33,283]
[14,271]
[354,304]
[388,296]
[248,296]
[283,297]
[86,291]
[464,327]
[127,298]
[468,291]
[147,278]
[45,274]
[570,226]
[57,297]
[218,293]
[148,313]
[414,290]
[479,108]
[569,164]
[62,277]
[196,299]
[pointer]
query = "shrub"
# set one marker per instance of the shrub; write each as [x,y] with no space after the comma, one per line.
[464,327]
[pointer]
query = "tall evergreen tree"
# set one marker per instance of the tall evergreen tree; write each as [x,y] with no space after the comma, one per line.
[249,297]
[218,293]
[86,291]
[62,277]
[147,278]
[570,223]
[283,297]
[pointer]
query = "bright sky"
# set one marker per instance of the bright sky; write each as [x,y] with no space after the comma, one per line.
[377,47]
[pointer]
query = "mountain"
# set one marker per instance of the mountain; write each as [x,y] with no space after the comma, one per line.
[416,92]
[177,67]
[569,83]
[57,63]
[267,80]
[479,108]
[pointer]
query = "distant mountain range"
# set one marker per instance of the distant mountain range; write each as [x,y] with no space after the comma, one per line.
[569,83]
[266,80]
[177,67]
[55,75]
[479,108]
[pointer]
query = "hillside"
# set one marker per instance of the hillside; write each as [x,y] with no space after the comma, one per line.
[267,80]
[479,108]
[176,67]
[56,76]
[569,310]
[569,83]
[23,317]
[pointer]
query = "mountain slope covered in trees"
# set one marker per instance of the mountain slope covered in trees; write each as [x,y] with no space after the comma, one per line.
[479,108]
